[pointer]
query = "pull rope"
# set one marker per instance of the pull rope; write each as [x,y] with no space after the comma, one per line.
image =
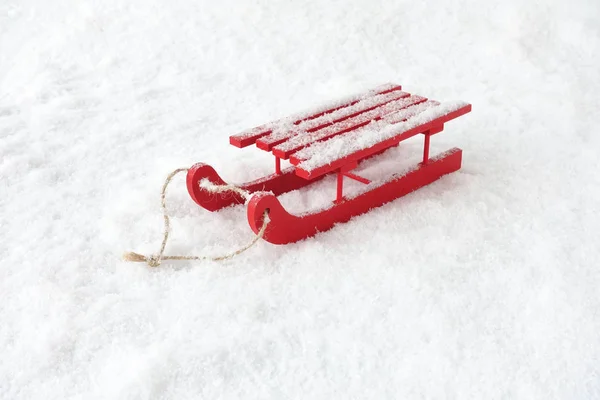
[156,259]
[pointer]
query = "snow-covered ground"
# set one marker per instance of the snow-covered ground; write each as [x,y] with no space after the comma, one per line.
[483,285]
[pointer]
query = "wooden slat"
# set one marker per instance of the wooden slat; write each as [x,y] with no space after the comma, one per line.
[249,137]
[286,149]
[409,112]
[280,136]
[391,137]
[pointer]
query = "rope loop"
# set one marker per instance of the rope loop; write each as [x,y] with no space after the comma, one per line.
[156,259]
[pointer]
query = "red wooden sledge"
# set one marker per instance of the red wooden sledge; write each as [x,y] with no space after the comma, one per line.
[334,139]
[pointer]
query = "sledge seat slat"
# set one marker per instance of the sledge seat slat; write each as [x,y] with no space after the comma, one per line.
[282,134]
[298,142]
[249,137]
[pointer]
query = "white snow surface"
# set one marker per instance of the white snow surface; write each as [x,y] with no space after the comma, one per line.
[483,285]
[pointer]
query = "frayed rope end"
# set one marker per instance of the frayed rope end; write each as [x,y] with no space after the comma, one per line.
[135,257]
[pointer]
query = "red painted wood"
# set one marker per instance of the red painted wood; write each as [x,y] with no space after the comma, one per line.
[357,178]
[276,183]
[288,228]
[375,148]
[436,129]
[278,165]
[407,113]
[285,227]
[377,113]
[340,187]
[249,137]
[426,148]
[269,141]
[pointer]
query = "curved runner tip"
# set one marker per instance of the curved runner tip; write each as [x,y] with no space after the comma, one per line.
[283,227]
[205,199]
